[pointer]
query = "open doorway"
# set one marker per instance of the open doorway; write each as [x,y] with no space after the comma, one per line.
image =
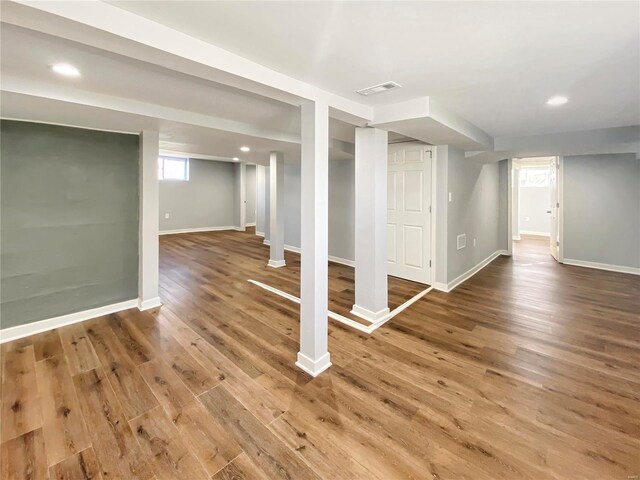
[536,206]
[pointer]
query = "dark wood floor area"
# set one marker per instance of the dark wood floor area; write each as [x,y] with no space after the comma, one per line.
[529,370]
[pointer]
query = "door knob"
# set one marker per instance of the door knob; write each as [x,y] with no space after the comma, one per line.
[548,211]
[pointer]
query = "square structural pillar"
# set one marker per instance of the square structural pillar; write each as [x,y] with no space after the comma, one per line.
[240,191]
[276,209]
[148,242]
[313,356]
[371,224]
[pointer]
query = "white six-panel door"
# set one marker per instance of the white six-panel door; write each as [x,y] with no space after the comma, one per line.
[408,212]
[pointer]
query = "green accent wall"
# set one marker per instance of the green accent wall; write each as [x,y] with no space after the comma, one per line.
[69,220]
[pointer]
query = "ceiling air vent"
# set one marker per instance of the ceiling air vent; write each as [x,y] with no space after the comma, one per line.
[382,87]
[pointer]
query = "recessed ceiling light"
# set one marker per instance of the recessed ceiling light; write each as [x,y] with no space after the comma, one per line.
[236,159]
[557,100]
[66,70]
[245,149]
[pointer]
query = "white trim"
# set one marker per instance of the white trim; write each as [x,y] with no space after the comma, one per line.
[266,242]
[20,331]
[313,367]
[342,319]
[342,261]
[561,209]
[70,125]
[252,224]
[441,287]
[536,234]
[276,263]
[516,237]
[149,304]
[196,230]
[472,271]
[260,234]
[368,315]
[602,266]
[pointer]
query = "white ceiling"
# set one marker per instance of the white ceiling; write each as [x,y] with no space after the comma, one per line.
[26,55]
[493,63]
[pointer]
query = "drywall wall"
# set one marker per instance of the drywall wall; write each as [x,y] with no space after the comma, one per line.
[532,210]
[205,201]
[250,195]
[341,206]
[476,209]
[69,220]
[602,209]
[261,172]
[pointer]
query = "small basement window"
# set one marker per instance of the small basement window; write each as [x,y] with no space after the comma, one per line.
[173,168]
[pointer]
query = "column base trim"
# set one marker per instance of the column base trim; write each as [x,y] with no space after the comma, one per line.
[368,315]
[276,263]
[313,367]
[149,304]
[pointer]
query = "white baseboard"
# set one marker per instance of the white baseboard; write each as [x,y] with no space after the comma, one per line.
[196,230]
[260,234]
[472,271]
[149,304]
[535,234]
[252,224]
[340,260]
[602,266]
[441,287]
[313,367]
[20,331]
[276,263]
[516,238]
[368,315]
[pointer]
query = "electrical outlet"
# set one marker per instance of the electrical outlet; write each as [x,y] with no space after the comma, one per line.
[526,219]
[474,242]
[166,215]
[450,197]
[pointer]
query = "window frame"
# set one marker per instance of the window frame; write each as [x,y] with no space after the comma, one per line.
[161,176]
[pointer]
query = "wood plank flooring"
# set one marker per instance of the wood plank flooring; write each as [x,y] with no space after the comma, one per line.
[530,369]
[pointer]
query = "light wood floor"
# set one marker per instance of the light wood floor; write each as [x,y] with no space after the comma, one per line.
[529,370]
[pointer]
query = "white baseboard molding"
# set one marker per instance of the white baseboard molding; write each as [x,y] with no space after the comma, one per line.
[260,234]
[516,238]
[602,266]
[276,263]
[441,287]
[252,224]
[340,260]
[20,331]
[196,230]
[368,315]
[535,234]
[149,303]
[313,367]
[472,271]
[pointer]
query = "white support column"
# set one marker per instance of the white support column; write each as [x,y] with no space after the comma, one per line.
[313,357]
[515,214]
[241,196]
[276,209]
[371,224]
[148,246]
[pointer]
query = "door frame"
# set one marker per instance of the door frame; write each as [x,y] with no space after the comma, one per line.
[510,191]
[432,214]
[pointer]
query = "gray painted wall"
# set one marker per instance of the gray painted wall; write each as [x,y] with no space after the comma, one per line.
[205,201]
[260,219]
[69,211]
[341,207]
[477,207]
[250,185]
[602,209]
[533,205]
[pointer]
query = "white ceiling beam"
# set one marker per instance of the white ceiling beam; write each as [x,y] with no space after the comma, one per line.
[70,95]
[113,29]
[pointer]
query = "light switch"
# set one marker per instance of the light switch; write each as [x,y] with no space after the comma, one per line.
[450,196]
[166,215]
